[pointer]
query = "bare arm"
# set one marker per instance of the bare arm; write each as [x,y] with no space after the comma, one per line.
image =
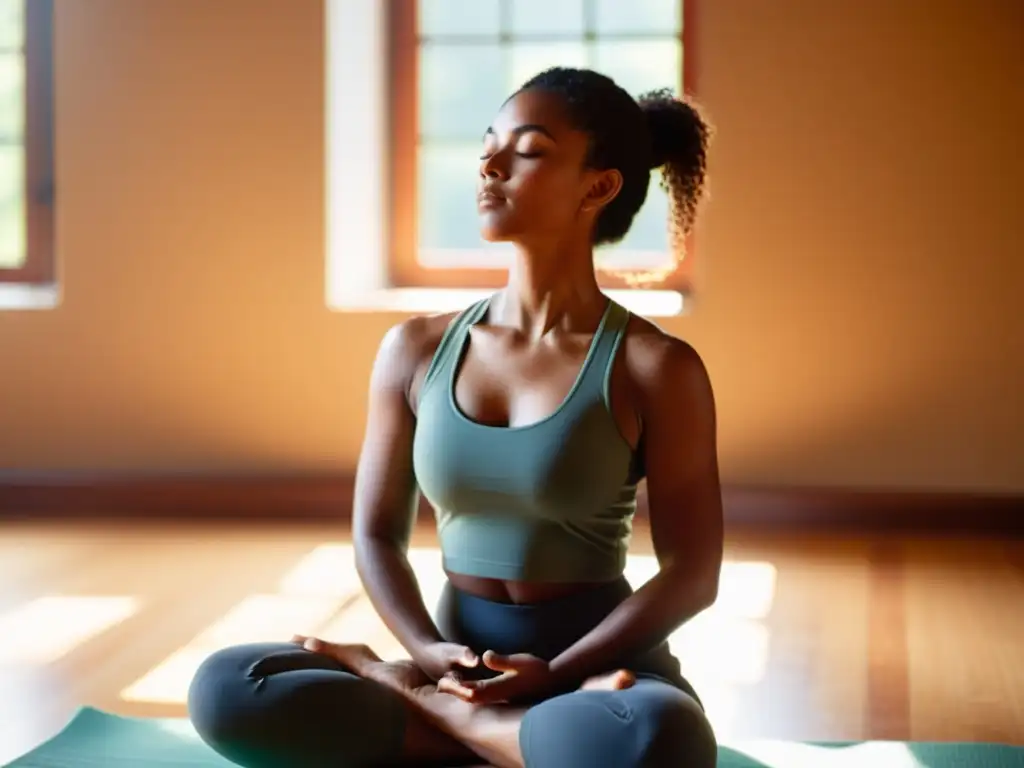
[685,504]
[386,495]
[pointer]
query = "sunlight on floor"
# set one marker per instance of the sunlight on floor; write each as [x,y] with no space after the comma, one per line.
[262,618]
[360,623]
[727,650]
[179,727]
[877,754]
[747,588]
[328,570]
[258,618]
[168,682]
[49,628]
[725,647]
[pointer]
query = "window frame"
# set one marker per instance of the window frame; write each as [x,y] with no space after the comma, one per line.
[403,268]
[38,142]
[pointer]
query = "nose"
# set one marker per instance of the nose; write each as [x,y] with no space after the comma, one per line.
[493,167]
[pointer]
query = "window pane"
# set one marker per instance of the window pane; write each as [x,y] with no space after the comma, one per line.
[638,17]
[461,87]
[458,17]
[447,196]
[640,66]
[12,97]
[529,59]
[11,24]
[12,207]
[546,17]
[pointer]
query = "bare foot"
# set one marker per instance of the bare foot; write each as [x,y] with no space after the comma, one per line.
[618,680]
[407,678]
[401,676]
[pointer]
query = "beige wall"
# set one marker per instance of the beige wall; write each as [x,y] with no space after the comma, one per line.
[861,257]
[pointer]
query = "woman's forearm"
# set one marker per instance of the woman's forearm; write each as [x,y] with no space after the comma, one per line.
[391,585]
[642,621]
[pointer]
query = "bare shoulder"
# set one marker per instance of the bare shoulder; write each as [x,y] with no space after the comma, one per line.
[407,348]
[661,365]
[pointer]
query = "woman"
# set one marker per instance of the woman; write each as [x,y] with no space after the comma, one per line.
[527,420]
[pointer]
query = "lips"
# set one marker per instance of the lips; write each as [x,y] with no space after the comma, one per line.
[489,195]
[489,200]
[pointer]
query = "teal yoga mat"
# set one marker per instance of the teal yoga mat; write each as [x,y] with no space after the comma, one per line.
[94,738]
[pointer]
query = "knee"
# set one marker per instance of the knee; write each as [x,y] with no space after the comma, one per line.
[272,705]
[612,729]
[675,732]
[227,701]
[219,688]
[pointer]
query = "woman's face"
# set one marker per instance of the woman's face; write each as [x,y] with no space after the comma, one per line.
[532,183]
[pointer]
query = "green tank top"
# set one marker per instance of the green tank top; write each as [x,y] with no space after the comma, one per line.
[551,501]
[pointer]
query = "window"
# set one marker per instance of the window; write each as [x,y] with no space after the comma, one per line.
[451,62]
[373,258]
[26,141]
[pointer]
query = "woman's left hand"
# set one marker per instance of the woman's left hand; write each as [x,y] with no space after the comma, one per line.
[522,676]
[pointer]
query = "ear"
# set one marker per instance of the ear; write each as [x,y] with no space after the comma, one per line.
[604,186]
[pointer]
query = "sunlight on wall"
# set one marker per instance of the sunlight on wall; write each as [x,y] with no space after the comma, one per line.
[877,754]
[48,628]
[721,650]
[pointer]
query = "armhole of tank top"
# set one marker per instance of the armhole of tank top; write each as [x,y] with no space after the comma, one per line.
[613,353]
[454,329]
[606,384]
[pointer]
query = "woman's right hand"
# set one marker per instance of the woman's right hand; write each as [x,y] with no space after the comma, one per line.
[442,659]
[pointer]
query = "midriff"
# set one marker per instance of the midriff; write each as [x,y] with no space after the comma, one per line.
[515,592]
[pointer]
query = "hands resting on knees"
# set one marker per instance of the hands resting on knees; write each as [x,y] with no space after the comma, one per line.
[520,675]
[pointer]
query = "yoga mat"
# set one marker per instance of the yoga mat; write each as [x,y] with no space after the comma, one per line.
[94,738]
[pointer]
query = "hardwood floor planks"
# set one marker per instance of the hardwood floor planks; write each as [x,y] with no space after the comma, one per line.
[814,637]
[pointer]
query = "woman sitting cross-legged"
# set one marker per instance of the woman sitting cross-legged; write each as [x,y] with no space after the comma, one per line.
[527,420]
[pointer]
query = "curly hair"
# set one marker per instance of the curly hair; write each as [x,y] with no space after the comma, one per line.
[635,136]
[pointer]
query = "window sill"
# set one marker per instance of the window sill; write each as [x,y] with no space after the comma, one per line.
[442,300]
[358,218]
[21,297]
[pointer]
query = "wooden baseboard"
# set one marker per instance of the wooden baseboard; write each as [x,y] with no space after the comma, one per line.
[74,495]
[329,498]
[877,510]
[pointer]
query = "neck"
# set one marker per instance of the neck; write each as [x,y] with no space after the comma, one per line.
[551,288]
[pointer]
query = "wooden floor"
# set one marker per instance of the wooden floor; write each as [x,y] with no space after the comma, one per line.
[813,637]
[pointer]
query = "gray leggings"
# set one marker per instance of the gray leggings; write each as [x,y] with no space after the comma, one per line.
[272,705]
